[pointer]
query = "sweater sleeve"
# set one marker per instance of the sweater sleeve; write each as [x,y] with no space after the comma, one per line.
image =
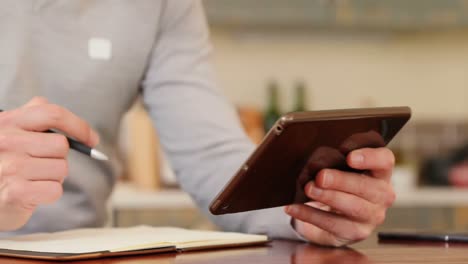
[199,130]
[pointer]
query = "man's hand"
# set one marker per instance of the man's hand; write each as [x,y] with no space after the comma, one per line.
[33,164]
[348,205]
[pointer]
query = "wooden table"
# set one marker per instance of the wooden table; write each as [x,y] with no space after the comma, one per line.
[369,251]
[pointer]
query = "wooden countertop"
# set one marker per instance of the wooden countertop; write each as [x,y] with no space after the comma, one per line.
[367,252]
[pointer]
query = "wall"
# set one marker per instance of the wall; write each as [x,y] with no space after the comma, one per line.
[427,71]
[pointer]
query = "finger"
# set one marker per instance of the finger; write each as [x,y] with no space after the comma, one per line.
[317,235]
[29,194]
[378,161]
[371,189]
[40,118]
[324,157]
[347,204]
[319,205]
[36,101]
[35,144]
[34,169]
[335,224]
[369,139]
[44,192]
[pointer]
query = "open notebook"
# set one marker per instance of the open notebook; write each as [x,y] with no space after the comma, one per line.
[103,242]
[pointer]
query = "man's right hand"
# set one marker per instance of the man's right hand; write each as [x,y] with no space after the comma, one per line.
[33,164]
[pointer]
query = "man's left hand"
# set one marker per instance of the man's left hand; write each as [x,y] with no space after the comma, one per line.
[347,206]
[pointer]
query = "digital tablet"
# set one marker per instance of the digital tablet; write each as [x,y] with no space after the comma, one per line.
[275,174]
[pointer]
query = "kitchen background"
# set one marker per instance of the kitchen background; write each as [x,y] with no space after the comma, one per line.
[328,54]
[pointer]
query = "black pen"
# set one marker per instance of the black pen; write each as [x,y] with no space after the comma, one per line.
[80,147]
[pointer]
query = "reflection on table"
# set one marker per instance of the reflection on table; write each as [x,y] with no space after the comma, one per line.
[366,252]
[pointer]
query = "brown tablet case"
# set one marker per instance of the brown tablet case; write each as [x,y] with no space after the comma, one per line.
[276,173]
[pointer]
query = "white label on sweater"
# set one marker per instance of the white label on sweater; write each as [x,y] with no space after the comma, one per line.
[99,49]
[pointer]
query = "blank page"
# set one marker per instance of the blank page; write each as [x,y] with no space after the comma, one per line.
[121,239]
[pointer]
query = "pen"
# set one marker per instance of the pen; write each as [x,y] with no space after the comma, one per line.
[80,147]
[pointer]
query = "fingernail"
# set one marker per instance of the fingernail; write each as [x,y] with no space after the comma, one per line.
[291,209]
[357,158]
[315,191]
[327,178]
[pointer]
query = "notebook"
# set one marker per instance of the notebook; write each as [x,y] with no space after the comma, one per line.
[102,242]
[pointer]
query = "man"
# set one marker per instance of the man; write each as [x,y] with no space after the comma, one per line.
[93,58]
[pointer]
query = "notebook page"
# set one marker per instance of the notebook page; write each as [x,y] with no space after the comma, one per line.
[183,238]
[121,239]
[84,240]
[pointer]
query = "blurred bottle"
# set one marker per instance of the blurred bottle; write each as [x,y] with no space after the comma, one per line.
[301,97]
[272,112]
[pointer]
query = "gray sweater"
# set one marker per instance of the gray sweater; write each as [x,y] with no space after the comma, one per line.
[94,58]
